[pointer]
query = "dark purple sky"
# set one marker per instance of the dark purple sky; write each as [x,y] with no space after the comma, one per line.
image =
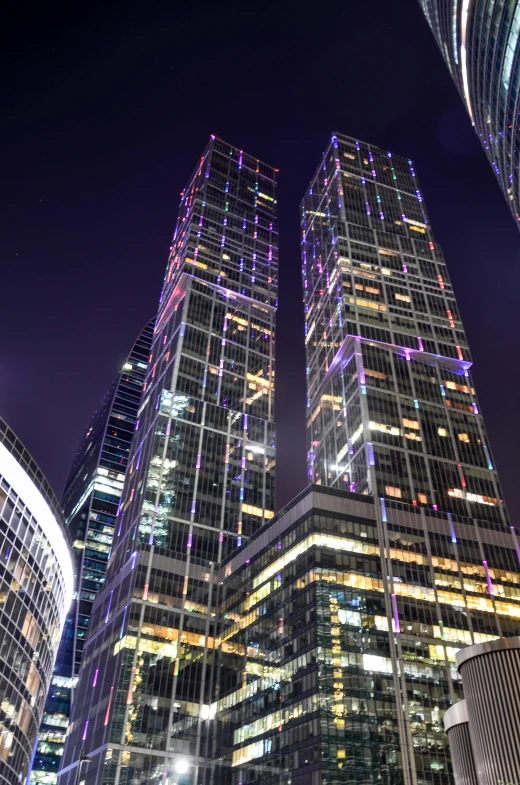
[105,111]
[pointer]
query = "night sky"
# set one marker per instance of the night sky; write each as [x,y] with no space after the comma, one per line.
[107,108]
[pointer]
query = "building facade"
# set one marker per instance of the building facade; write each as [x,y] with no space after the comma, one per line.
[393,414]
[329,675]
[200,482]
[90,501]
[36,590]
[480,42]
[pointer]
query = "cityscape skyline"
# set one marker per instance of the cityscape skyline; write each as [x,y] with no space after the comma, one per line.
[118,197]
[402,536]
[284,594]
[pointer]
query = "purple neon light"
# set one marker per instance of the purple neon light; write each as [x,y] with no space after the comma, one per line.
[109,604]
[85,731]
[371,459]
[452,528]
[95,677]
[397,626]
[488,577]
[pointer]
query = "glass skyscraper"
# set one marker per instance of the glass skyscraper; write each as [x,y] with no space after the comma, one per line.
[341,619]
[480,42]
[393,414]
[90,501]
[200,482]
[36,584]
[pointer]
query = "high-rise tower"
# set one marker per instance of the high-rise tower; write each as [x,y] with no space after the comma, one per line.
[90,503]
[393,416]
[480,42]
[392,409]
[200,481]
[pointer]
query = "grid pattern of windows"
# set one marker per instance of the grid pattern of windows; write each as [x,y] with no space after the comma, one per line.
[90,501]
[480,42]
[338,640]
[35,590]
[200,482]
[393,415]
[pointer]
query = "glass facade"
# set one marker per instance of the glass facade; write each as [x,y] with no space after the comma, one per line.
[480,42]
[200,482]
[36,584]
[340,625]
[90,501]
[393,414]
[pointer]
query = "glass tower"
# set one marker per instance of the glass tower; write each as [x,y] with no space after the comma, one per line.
[200,482]
[480,42]
[393,414]
[36,584]
[90,503]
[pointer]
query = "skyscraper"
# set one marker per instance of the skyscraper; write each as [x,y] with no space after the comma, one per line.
[393,415]
[35,592]
[480,42]
[200,482]
[90,503]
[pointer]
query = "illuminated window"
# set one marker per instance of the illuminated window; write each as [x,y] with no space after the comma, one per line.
[379,426]
[410,423]
[454,386]
[403,297]
[442,431]
[463,437]
[375,374]
[422,498]
[367,304]
[252,510]
[372,662]
[392,491]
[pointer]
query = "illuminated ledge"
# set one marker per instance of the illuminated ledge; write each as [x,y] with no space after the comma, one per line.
[348,347]
[185,280]
[178,293]
[232,295]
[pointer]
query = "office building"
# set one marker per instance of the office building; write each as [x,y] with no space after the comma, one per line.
[479,40]
[200,482]
[90,501]
[35,593]
[393,415]
[329,675]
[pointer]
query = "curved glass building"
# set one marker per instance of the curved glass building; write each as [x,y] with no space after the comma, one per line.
[36,583]
[479,40]
[90,502]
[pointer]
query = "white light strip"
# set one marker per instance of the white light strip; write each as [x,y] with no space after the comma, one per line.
[463,56]
[22,484]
